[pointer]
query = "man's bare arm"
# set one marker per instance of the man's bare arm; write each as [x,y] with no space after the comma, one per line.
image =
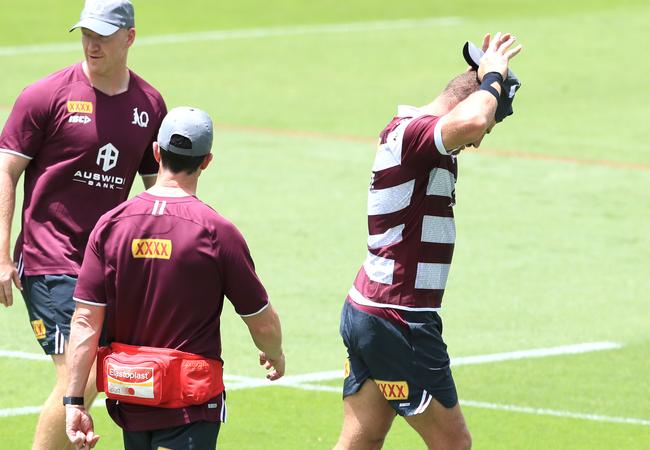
[472,117]
[85,329]
[266,332]
[11,168]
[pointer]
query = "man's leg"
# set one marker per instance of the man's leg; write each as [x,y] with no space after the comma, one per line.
[441,428]
[50,429]
[367,417]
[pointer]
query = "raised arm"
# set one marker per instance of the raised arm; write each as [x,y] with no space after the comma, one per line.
[469,120]
[11,168]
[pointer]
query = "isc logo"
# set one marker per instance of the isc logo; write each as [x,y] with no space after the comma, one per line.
[393,390]
[79,119]
[151,248]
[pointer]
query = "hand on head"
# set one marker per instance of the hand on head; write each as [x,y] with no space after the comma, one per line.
[498,53]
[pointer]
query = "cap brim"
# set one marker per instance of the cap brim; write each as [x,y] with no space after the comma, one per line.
[472,54]
[99,27]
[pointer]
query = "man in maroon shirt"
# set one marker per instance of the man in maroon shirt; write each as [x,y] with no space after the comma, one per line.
[397,360]
[155,273]
[80,135]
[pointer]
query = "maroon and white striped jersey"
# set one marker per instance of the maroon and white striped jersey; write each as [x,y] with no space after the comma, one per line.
[411,231]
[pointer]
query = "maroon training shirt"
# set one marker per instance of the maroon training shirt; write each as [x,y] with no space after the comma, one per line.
[85,148]
[411,230]
[162,266]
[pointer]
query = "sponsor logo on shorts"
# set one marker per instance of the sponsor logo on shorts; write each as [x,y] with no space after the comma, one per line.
[346,368]
[393,390]
[39,328]
[80,107]
[80,119]
[151,248]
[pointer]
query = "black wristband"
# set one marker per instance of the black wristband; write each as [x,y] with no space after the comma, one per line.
[73,400]
[486,84]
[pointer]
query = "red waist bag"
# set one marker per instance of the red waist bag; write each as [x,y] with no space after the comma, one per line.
[159,377]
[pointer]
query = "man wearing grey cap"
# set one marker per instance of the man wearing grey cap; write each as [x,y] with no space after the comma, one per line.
[79,135]
[154,275]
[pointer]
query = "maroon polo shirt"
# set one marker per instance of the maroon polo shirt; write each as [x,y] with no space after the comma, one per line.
[162,266]
[84,148]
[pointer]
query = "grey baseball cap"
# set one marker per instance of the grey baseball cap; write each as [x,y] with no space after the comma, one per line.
[105,17]
[191,123]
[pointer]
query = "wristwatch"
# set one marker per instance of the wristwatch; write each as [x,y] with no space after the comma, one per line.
[73,400]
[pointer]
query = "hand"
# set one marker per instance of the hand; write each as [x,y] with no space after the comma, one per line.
[79,427]
[8,273]
[497,54]
[275,366]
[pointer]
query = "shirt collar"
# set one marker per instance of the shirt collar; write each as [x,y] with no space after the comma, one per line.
[409,111]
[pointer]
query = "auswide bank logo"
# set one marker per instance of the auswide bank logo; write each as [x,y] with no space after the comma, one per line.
[107,157]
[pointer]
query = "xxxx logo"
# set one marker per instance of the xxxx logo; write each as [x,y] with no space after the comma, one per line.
[151,248]
[39,328]
[80,107]
[393,390]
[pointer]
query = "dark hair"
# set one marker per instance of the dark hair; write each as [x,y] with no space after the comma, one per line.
[462,86]
[180,163]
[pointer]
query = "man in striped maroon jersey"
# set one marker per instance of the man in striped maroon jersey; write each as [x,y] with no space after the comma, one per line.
[397,360]
[155,273]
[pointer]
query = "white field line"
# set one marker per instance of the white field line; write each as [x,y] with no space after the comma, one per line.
[248,33]
[304,381]
[24,355]
[552,412]
[538,353]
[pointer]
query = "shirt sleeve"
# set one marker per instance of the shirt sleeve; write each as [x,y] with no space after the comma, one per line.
[148,165]
[421,147]
[241,284]
[90,284]
[25,129]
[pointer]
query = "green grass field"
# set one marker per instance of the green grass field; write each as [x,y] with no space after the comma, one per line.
[552,213]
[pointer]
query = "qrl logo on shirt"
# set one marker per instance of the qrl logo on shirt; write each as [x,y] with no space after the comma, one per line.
[151,248]
[393,390]
[80,107]
[130,381]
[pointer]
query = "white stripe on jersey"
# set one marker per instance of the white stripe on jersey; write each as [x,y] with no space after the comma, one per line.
[389,154]
[441,182]
[439,230]
[357,297]
[388,237]
[431,276]
[11,152]
[158,208]
[389,200]
[437,137]
[379,269]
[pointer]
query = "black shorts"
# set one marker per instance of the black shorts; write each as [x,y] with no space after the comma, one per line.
[410,365]
[193,436]
[50,307]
